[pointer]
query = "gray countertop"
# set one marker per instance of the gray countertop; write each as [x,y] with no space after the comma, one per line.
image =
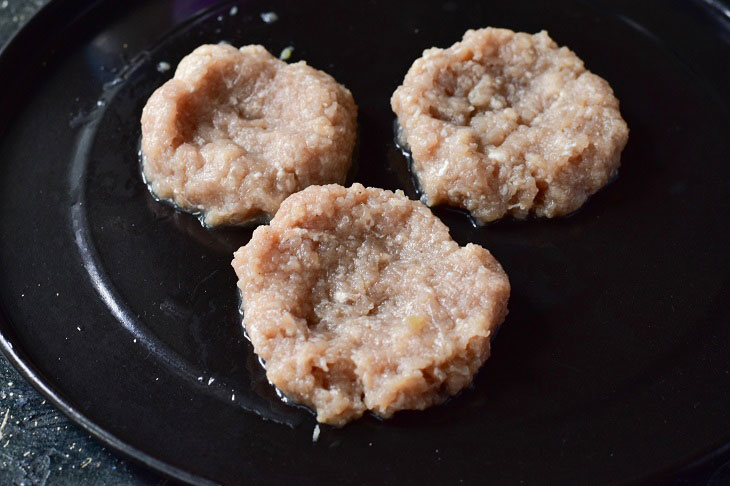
[38,444]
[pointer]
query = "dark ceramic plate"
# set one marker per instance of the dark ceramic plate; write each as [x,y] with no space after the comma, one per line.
[613,365]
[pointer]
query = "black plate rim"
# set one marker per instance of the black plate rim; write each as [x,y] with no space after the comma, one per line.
[28,371]
[63,13]
[60,14]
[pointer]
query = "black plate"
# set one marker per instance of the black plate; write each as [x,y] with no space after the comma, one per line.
[613,365]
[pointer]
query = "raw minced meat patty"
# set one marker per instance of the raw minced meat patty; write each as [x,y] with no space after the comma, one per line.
[508,123]
[358,299]
[237,131]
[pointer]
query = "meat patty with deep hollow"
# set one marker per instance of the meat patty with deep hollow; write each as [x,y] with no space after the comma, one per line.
[236,131]
[358,299]
[506,123]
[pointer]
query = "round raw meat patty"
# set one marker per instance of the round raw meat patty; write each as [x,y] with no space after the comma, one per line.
[235,132]
[358,299]
[508,123]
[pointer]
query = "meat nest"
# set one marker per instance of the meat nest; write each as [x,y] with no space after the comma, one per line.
[358,299]
[506,123]
[235,132]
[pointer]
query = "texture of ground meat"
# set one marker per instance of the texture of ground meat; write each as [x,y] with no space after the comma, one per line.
[506,123]
[358,299]
[235,132]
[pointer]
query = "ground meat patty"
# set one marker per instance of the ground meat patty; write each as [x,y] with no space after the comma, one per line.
[508,123]
[358,299]
[237,131]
